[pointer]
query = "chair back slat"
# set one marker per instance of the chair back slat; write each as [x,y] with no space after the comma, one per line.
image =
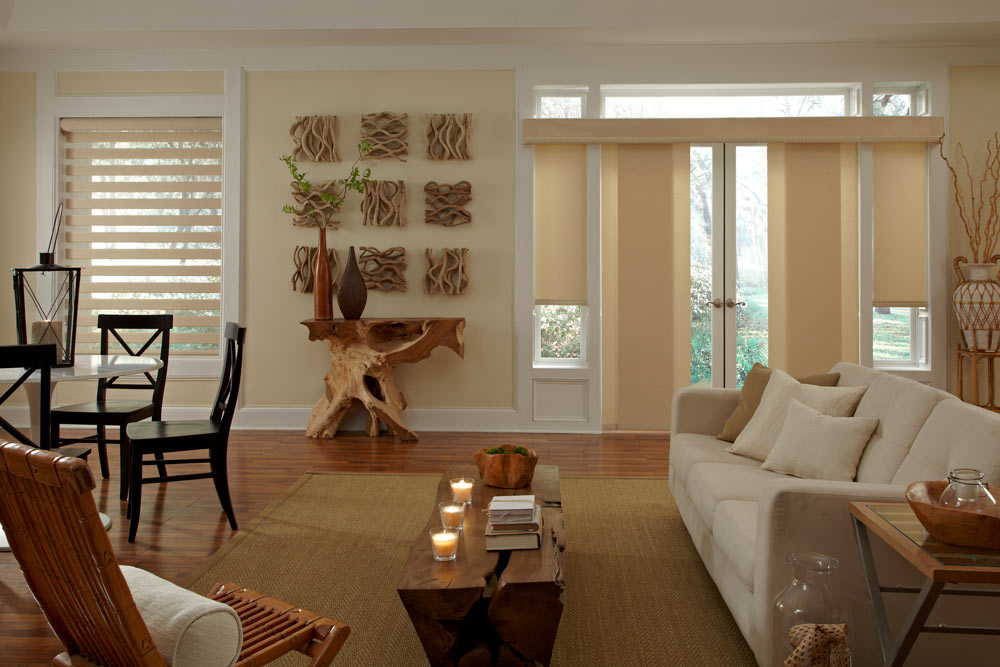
[31,358]
[159,326]
[50,519]
[229,382]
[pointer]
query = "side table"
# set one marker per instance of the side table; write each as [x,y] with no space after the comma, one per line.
[363,356]
[941,564]
[976,356]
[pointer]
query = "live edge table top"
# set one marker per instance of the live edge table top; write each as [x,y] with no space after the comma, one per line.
[488,606]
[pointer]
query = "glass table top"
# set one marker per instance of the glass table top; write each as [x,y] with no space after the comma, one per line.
[902,518]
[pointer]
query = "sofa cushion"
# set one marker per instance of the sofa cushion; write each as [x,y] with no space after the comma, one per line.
[817,446]
[955,435]
[735,533]
[708,484]
[852,375]
[687,449]
[901,406]
[753,390]
[761,433]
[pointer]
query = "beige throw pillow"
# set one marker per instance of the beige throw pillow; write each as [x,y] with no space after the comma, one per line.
[751,392]
[759,436]
[817,446]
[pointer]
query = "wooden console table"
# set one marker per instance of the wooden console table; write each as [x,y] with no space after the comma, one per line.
[975,356]
[363,356]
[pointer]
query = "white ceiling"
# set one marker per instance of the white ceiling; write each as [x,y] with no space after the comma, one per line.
[200,23]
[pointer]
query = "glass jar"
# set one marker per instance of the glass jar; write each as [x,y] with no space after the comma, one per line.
[811,628]
[967,491]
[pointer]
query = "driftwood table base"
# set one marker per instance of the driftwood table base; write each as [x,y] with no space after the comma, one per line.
[363,356]
[488,607]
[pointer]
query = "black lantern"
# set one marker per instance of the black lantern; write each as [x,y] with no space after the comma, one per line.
[46,298]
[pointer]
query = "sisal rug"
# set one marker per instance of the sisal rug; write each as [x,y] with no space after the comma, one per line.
[636,591]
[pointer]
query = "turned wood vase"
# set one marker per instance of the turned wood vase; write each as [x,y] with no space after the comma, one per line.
[352,294]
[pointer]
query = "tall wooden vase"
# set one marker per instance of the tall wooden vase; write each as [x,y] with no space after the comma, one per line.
[322,282]
[353,294]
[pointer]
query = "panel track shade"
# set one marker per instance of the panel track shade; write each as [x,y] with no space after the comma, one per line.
[143,200]
[561,224]
[899,271]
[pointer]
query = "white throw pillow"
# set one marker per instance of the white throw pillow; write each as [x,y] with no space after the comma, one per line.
[189,630]
[817,446]
[760,434]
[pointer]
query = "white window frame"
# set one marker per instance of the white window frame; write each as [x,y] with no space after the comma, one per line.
[549,362]
[229,106]
[578,92]
[918,93]
[850,91]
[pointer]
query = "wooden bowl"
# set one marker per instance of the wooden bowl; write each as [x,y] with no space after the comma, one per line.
[507,471]
[952,526]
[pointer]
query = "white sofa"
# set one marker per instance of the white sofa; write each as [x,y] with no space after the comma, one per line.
[744,520]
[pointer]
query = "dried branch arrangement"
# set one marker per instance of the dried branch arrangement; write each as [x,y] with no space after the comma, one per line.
[383,270]
[384,204]
[311,208]
[978,212]
[315,138]
[446,275]
[305,260]
[387,133]
[445,204]
[448,136]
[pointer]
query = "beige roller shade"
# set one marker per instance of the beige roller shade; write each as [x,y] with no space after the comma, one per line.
[812,255]
[899,221]
[143,200]
[653,194]
[561,224]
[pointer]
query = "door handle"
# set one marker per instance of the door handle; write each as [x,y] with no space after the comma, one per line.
[732,304]
[717,303]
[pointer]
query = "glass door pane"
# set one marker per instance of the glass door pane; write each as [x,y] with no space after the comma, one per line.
[748,310]
[702,205]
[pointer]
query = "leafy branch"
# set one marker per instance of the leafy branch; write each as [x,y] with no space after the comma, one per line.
[355,181]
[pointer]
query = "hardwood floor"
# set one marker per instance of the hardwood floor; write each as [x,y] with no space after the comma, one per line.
[182,523]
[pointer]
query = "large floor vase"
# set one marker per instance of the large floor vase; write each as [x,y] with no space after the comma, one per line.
[977,305]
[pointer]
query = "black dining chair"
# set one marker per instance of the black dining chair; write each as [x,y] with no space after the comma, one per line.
[31,359]
[212,434]
[104,412]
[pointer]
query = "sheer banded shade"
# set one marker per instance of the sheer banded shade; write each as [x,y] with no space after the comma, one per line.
[143,200]
[561,224]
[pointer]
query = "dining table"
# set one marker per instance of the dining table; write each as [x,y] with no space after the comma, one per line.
[85,367]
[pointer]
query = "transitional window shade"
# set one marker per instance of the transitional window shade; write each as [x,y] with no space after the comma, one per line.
[143,199]
[561,224]
[899,221]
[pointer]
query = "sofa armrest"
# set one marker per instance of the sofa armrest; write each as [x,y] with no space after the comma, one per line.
[702,409]
[812,515]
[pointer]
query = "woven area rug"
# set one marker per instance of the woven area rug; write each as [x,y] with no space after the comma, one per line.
[636,591]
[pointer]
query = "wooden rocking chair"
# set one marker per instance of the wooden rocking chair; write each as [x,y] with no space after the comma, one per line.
[48,513]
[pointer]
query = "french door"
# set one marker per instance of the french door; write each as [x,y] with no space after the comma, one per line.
[729,247]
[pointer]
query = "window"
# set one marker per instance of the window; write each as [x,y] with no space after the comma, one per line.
[560,102]
[143,201]
[900,101]
[660,103]
[560,335]
[899,336]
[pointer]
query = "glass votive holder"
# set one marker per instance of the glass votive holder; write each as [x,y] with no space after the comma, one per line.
[461,489]
[452,514]
[444,543]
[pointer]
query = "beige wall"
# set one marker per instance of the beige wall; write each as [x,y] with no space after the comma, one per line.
[283,368]
[973,118]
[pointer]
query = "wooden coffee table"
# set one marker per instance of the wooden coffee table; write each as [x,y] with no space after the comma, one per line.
[488,607]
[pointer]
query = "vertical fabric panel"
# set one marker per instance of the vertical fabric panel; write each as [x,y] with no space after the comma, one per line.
[849,253]
[561,224]
[900,225]
[805,257]
[654,328]
[609,285]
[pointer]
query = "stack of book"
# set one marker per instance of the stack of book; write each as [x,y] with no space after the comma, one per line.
[514,522]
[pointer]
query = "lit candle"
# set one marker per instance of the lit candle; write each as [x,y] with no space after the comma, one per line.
[47,331]
[461,489]
[444,543]
[452,515]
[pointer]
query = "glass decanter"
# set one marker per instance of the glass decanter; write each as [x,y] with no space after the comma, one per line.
[967,491]
[811,628]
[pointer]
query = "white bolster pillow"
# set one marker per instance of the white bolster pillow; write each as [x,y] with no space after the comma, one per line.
[189,630]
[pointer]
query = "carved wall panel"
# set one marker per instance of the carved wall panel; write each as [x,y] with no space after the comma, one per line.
[383,270]
[448,273]
[384,203]
[311,201]
[448,136]
[387,133]
[315,138]
[305,259]
[445,204]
